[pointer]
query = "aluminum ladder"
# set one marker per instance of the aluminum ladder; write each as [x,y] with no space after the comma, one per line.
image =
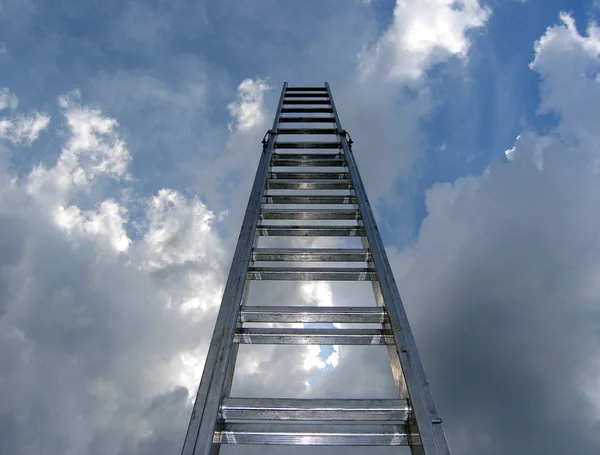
[217,418]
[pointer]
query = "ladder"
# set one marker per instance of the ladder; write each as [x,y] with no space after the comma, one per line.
[300,168]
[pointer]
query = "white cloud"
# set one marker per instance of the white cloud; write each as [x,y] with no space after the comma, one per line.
[106,222]
[24,130]
[19,129]
[94,149]
[8,100]
[170,216]
[422,34]
[248,111]
[117,318]
[570,70]
[501,285]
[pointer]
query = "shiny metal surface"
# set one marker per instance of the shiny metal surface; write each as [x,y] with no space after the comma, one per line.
[306,95]
[311,254]
[307,156]
[306,89]
[308,184]
[303,119]
[270,433]
[306,110]
[296,102]
[314,409]
[307,314]
[308,162]
[310,231]
[309,214]
[307,145]
[312,273]
[306,131]
[216,417]
[309,175]
[270,335]
[316,199]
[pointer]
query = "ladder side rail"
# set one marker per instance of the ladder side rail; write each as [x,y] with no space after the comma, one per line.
[428,421]
[199,436]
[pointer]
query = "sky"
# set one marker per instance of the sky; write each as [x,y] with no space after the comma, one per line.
[129,136]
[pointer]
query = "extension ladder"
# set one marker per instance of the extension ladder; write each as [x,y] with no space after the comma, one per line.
[218,418]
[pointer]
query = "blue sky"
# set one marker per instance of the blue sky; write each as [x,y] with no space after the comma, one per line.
[129,135]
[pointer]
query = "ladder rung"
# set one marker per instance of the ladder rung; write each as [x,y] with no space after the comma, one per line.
[309,175]
[306,89]
[314,409]
[310,231]
[307,95]
[310,214]
[308,314]
[295,102]
[307,145]
[307,131]
[309,185]
[311,254]
[308,162]
[306,120]
[270,433]
[306,110]
[319,199]
[272,335]
[312,273]
[307,156]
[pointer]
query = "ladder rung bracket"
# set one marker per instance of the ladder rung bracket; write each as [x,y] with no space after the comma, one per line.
[296,102]
[308,175]
[307,145]
[307,131]
[315,409]
[308,163]
[317,199]
[286,434]
[306,89]
[306,95]
[312,273]
[310,214]
[306,120]
[309,185]
[311,254]
[310,314]
[306,110]
[347,337]
[309,231]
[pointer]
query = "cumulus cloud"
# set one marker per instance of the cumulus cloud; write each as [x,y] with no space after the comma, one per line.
[422,34]
[8,100]
[99,316]
[94,149]
[248,111]
[106,311]
[502,283]
[20,129]
[569,66]
[384,106]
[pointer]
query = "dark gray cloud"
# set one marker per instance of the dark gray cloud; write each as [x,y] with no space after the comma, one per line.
[502,283]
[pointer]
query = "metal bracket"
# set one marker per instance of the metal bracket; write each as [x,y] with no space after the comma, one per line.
[267,136]
[346,134]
